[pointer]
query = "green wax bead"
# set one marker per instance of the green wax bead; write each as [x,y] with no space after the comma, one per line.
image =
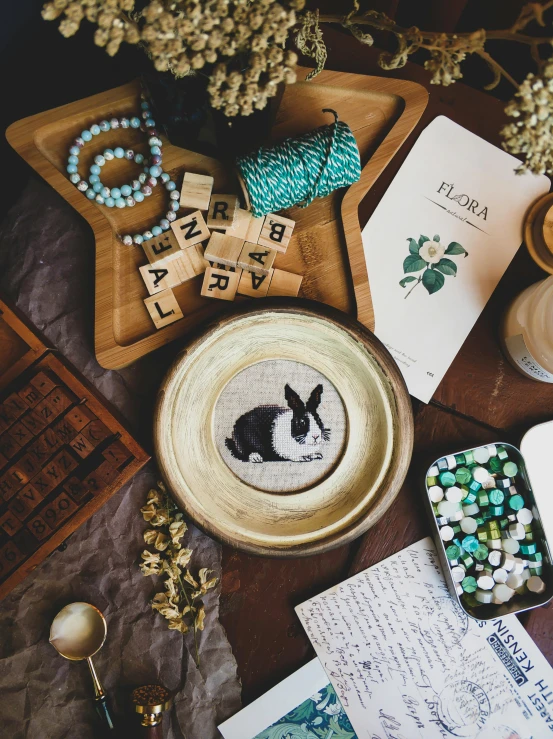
[441,464]
[528,528]
[482,498]
[486,515]
[460,458]
[469,584]
[495,464]
[482,536]
[529,536]
[510,469]
[467,560]
[516,502]
[470,543]
[492,525]
[470,498]
[495,534]
[528,548]
[502,453]
[463,476]
[504,522]
[536,557]
[474,486]
[447,479]
[456,528]
[469,458]
[453,552]
[481,553]
[497,510]
[431,481]
[496,497]
[470,600]
[479,521]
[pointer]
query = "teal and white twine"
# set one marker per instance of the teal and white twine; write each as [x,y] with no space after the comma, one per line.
[297,171]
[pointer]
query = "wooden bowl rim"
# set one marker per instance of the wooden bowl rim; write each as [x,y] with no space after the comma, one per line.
[404,414]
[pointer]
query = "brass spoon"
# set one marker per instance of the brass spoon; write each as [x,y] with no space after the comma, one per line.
[78,632]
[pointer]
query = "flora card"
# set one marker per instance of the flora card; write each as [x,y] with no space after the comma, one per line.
[438,243]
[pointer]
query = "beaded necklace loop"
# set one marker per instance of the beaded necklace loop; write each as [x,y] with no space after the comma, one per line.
[128,194]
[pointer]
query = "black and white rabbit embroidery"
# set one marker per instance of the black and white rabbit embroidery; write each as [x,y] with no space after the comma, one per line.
[270,433]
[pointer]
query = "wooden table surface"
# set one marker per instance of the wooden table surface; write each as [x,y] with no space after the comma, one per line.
[481,399]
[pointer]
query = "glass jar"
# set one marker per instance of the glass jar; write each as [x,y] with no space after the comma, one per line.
[527,331]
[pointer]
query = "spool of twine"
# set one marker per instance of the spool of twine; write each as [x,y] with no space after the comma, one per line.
[298,170]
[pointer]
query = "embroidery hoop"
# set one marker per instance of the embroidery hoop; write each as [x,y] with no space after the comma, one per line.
[366,479]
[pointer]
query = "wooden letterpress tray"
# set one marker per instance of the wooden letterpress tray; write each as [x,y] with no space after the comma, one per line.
[62,452]
[381,113]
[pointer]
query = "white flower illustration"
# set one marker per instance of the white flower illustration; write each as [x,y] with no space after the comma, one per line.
[431,252]
[334,709]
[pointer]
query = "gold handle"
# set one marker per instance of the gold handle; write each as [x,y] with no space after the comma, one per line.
[98,689]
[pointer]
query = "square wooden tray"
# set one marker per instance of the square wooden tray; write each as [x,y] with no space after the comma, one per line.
[381,113]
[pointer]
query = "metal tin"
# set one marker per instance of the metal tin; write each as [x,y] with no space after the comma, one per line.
[535,463]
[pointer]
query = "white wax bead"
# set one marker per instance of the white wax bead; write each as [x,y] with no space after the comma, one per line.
[516,531]
[503,592]
[496,601]
[524,516]
[480,474]
[483,596]
[459,589]
[519,566]
[493,543]
[447,508]
[525,574]
[451,463]
[512,490]
[441,521]
[479,567]
[446,533]
[454,494]
[457,516]
[433,471]
[500,575]
[511,517]
[514,581]
[492,450]
[458,573]
[507,561]
[494,558]
[435,493]
[468,525]
[471,510]
[535,584]
[488,484]
[486,582]
[481,455]
[510,545]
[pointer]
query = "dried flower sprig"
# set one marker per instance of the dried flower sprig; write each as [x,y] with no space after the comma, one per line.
[181,602]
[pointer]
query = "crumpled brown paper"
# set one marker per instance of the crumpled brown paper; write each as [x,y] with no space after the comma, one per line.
[46,268]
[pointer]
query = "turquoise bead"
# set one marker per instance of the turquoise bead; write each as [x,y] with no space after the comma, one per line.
[150,123]
[119,152]
[71,168]
[95,169]
[170,186]
[95,129]
[139,158]
[138,239]
[105,125]
[74,151]
[138,196]
[94,178]
[126,190]
[164,223]
[155,150]
[156,230]
[120,203]
[155,171]
[115,192]
[99,160]
[110,202]
[175,205]
[73,159]
[75,178]
[135,122]
[165,177]
[109,155]
[145,105]
[97,187]
[99,199]
[86,135]
[90,194]
[105,192]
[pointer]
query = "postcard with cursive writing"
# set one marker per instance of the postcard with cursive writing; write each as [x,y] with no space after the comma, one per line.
[438,243]
[407,663]
[304,706]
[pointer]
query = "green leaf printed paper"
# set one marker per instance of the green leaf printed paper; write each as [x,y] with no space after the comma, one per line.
[438,243]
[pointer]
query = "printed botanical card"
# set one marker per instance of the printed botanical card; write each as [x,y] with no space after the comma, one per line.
[304,706]
[438,243]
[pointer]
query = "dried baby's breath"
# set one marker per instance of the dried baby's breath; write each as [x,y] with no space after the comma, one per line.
[181,603]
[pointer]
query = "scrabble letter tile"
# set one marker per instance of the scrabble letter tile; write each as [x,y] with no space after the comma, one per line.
[161,247]
[284,283]
[191,263]
[196,191]
[10,523]
[223,249]
[190,230]
[39,528]
[254,285]
[276,232]
[256,258]
[163,308]
[222,209]
[161,275]
[221,283]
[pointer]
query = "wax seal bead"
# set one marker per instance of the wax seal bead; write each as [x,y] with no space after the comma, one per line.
[469,584]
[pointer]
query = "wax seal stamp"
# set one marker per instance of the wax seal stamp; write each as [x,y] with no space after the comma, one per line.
[150,701]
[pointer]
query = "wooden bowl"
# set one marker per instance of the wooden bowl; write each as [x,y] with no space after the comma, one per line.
[286,506]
